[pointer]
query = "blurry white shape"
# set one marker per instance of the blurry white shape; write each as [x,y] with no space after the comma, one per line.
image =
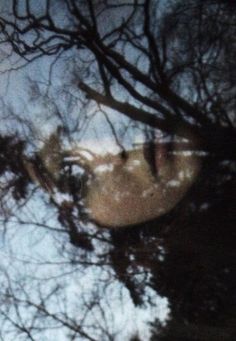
[104,168]
[173,183]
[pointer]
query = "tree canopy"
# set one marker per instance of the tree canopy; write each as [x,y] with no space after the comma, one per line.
[153,66]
